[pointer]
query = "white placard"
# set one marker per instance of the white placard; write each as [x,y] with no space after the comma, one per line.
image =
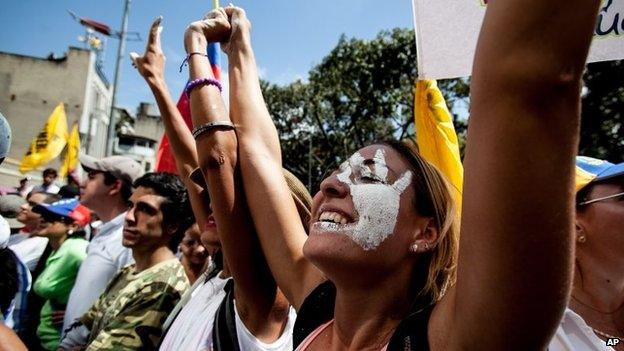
[447,31]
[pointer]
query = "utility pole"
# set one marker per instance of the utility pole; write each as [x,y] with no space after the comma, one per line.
[120,52]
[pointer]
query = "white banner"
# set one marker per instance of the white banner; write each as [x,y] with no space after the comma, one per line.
[447,31]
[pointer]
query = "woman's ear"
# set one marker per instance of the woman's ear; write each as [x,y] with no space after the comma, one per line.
[425,236]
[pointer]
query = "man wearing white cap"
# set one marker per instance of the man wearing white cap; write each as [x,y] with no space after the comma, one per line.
[105,190]
[594,319]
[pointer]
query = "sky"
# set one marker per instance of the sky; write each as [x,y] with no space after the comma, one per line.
[289,37]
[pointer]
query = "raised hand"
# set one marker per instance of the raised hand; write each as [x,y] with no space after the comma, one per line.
[214,27]
[241,27]
[152,64]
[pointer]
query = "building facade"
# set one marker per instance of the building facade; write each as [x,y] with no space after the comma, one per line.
[30,89]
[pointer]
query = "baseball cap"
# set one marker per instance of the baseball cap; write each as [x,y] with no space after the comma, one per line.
[5,137]
[10,206]
[122,167]
[66,208]
[590,169]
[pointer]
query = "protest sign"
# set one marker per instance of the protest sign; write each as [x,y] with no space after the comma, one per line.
[447,32]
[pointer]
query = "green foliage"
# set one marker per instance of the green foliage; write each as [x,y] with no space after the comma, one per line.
[602,112]
[363,91]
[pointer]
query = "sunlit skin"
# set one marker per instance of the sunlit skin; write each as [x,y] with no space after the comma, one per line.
[144,228]
[194,254]
[55,231]
[337,253]
[93,189]
[26,216]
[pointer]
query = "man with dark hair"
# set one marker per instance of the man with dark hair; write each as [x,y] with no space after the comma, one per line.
[48,186]
[105,191]
[131,311]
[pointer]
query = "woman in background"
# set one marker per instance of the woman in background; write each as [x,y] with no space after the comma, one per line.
[61,223]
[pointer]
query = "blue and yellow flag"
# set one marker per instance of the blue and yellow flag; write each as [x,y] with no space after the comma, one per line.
[49,143]
[435,135]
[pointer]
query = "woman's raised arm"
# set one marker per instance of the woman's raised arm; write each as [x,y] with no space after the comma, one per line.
[152,67]
[515,258]
[274,212]
[260,305]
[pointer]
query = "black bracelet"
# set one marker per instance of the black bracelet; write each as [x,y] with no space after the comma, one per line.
[205,128]
[188,56]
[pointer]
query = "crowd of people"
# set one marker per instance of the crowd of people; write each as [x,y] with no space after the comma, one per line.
[235,254]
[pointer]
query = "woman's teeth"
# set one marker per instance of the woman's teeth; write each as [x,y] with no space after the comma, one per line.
[333,217]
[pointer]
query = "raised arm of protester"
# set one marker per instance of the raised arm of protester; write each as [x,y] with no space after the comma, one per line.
[152,67]
[383,230]
[260,305]
[281,233]
[515,259]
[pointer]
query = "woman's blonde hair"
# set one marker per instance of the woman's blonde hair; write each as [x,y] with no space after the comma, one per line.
[433,199]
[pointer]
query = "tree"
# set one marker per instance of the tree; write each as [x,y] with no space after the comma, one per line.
[603,106]
[361,92]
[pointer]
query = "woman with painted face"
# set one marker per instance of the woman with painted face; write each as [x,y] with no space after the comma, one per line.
[378,268]
[61,223]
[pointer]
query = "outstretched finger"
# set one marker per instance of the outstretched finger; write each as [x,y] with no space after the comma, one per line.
[154,34]
[134,57]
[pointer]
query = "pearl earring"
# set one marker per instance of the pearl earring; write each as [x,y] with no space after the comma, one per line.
[414,248]
[581,239]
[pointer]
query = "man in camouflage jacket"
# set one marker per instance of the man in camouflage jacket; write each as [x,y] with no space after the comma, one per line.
[130,313]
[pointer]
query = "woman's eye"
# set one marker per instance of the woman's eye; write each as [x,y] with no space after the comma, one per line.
[370,179]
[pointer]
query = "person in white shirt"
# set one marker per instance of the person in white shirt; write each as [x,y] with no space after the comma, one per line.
[105,191]
[48,186]
[594,319]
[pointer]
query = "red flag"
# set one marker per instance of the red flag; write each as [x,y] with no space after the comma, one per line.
[165,162]
[164,157]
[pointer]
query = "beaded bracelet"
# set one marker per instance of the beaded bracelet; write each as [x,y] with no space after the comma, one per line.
[201,81]
[188,56]
[205,128]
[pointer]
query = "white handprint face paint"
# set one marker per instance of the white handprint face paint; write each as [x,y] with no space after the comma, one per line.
[376,201]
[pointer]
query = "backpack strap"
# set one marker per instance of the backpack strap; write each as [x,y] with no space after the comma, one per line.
[224,336]
[316,310]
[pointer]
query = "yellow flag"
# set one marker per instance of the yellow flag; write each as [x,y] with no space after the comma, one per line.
[435,135]
[49,142]
[71,155]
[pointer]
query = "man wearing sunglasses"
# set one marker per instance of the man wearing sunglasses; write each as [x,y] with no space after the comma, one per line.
[594,319]
[105,190]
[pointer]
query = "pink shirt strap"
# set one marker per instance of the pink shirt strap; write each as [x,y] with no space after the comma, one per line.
[308,340]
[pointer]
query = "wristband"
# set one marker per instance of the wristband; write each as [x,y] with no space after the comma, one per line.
[188,56]
[201,81]
[205,128]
